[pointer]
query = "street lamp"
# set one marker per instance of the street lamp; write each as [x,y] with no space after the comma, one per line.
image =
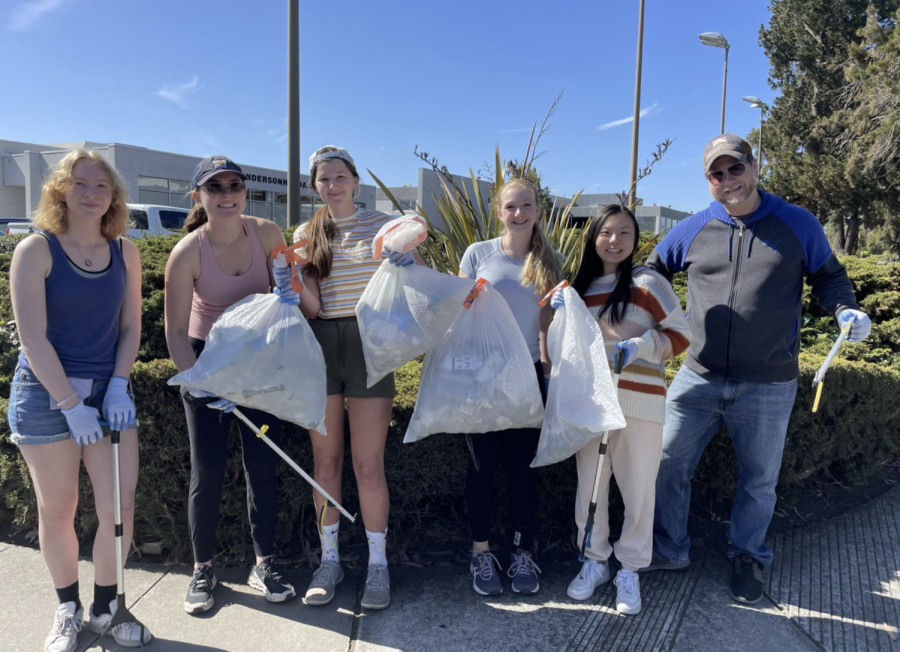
[716,40]
[632,189]
[756,103]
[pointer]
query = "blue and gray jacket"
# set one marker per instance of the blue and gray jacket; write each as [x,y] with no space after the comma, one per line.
[745,286]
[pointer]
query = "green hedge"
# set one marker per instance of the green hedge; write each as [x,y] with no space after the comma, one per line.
[854,432]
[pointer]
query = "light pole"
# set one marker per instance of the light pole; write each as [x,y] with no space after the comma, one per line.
[716,40]
[756,103]
[632,192]
[293,168]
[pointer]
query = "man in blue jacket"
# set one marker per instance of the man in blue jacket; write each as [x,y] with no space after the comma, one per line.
[746,257]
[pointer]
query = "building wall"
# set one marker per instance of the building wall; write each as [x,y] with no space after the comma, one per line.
[12,202]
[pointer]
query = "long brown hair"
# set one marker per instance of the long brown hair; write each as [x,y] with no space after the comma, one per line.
[51,215]
[322,230]
[543,266]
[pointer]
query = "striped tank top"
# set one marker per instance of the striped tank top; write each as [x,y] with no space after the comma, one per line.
[352,264]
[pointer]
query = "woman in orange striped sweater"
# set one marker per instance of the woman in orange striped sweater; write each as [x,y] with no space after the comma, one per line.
[638,312]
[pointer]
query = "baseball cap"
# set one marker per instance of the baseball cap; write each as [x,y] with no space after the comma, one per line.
[333,152]
[213,165]
[727,145]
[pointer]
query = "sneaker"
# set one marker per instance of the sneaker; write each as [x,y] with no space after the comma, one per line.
[628,592]
[266,577]
[592,574]
[524,572]
[377,594]
[199,597]
[658,563]
[66,624]
[324,580]
[746,579]
[486,581]
[126,634]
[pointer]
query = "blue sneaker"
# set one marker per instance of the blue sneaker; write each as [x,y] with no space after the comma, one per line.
[486,580]
[524,572]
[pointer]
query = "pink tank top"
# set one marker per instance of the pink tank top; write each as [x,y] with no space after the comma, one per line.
[215,291]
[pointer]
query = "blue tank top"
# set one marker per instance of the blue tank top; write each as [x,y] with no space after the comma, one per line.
[83,313]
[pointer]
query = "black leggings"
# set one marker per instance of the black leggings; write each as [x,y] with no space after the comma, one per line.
[517,447]
[208,431]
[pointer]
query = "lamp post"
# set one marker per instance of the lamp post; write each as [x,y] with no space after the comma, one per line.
[293,169]
[716,40]
[756,103]
[632,192]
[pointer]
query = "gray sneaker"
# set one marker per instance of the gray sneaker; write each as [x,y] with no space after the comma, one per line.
[486,579]
[377,594]
[324,580]
[658,563]
[524,572]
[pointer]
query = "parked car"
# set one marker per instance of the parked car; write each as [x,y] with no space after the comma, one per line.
[144,219]
[5,223]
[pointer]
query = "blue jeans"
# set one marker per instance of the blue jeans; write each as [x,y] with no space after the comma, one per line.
[756,415]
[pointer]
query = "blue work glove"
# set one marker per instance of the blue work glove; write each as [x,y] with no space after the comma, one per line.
[399,259]
[861,326]
[631,349]
[222,404]
[281,271]
[84,424]
[118,408]
[558,300]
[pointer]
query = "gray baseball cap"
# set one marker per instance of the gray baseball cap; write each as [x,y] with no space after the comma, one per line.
[727,145]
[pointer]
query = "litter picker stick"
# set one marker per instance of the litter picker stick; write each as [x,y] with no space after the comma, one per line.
[819,379]
[562,284]
[261,433]
[619,362]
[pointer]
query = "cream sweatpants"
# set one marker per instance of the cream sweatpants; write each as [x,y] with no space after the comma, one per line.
[632,454]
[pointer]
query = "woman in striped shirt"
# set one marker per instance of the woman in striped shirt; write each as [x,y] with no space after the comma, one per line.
[638,312]
[340,265]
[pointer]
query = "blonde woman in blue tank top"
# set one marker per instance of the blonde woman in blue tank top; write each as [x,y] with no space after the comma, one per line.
[76,295]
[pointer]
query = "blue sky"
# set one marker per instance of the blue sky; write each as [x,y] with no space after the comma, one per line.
[455,78]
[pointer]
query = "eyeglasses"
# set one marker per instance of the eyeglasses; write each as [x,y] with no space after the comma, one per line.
[718,176]
[216,188]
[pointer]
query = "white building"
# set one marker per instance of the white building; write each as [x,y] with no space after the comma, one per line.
[151,177]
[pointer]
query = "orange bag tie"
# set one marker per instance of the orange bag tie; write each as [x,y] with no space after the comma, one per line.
[293,259]
[479,285]
[562,284]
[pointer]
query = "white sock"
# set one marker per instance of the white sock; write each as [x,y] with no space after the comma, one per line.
[328,536]
[377,543]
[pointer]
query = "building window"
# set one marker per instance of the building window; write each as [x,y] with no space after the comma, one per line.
[256,195]
[153,197]
[153,183]
[182,187]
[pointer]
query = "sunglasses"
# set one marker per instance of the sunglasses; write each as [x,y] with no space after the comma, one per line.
[216,188]
[718,176]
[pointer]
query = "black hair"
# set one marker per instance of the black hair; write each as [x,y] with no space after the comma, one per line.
[592,266]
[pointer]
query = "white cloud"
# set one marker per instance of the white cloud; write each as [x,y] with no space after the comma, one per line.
[27,13]
[259,123]
[649,111]
[179,93]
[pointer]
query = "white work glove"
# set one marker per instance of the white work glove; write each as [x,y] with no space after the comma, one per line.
[631,350]
[84,424]
[860,327]
[118,408]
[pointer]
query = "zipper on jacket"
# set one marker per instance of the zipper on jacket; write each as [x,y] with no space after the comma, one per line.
[734,279]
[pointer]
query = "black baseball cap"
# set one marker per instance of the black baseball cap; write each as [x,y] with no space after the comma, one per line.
[213,165]
[727,145]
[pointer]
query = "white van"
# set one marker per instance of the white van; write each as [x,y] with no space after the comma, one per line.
[144,219]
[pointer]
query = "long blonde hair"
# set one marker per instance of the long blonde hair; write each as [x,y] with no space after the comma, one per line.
[543,266]
[51,214]
[322,230]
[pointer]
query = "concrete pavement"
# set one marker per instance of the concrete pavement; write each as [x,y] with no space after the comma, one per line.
[835,585]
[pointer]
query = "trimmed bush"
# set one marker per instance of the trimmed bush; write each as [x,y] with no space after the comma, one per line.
[853,433]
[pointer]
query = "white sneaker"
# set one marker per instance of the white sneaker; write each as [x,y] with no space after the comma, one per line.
[628,592]
[66,624]
[592,574]
[126,634]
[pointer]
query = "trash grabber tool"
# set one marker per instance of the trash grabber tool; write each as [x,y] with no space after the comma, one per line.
[618,363]
[467,303]
[562,284]
[819,378]
[261,433]
[122,614]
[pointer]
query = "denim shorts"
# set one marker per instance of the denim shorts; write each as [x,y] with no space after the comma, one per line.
[32,421]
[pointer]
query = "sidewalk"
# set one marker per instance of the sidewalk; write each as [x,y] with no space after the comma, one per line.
[835,585]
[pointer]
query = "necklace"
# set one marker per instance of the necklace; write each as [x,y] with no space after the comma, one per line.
[88,260]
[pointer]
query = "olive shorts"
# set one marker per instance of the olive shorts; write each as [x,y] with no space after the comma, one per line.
[344,359]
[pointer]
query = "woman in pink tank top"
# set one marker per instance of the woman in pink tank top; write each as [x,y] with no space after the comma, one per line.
[225,257]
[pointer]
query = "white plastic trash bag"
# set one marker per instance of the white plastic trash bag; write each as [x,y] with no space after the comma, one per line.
[262,354]
[581,399]
[404,311]
[402,234]
[480,377]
